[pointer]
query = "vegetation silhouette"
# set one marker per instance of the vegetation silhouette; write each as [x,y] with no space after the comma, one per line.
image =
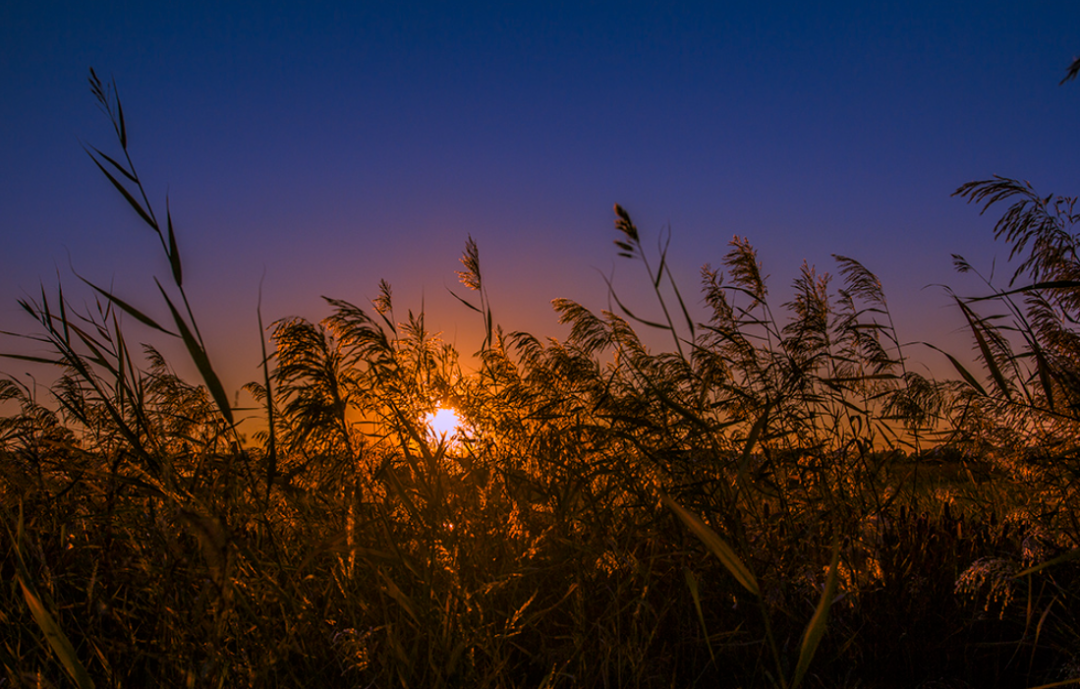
[778,500]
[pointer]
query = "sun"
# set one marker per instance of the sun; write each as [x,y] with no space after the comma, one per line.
[443,422]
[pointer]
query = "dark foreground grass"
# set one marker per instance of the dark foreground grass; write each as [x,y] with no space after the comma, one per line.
[774,501]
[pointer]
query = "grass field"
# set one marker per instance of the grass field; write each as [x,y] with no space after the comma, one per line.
[775,499]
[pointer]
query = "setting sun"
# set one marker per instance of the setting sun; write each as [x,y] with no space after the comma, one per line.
[443,422]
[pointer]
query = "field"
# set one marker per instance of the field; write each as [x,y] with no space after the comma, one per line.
[774,499]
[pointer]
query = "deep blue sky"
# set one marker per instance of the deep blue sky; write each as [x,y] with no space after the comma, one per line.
[331,146]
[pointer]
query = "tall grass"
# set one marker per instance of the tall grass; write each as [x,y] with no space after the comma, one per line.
[776,500]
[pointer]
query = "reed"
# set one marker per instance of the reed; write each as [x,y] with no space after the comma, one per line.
[777,499]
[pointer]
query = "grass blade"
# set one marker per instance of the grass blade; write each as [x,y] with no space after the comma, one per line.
[1064,683]
[202,361]
[54,634]
[32,359]
[1071,555]
[717,545]
[174,252]
[115,164]
[976,325]
[692,584]
[751,440]
[271,440]
[126,194]
[816,628]
[398,595]
[120,118]
[464,301]
[1048,284]
[127,308]
[964,373]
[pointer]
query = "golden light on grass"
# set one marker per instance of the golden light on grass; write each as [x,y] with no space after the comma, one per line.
[443,422]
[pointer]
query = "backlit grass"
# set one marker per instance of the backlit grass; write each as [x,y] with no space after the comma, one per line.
[776,499]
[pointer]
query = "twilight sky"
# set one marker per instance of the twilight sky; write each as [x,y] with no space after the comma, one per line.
[331,145]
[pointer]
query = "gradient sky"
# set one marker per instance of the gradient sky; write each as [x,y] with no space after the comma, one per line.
[331,145]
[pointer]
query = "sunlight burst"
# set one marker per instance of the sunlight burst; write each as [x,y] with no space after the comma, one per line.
[443,422]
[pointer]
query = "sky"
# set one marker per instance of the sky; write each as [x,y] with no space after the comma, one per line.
[312,149]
